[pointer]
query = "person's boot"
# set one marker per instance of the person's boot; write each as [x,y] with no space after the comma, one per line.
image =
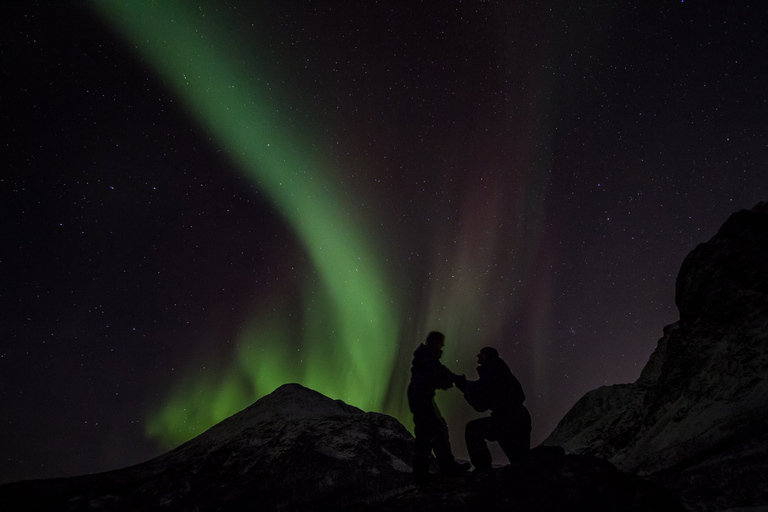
[454,468]
[420,469]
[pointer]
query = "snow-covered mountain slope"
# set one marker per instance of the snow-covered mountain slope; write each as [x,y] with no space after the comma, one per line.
[697,418]
[289,450]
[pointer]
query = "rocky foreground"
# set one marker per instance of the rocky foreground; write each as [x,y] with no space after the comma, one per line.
[547,480]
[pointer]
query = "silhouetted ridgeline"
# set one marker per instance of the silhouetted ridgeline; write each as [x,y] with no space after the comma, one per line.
[694,423]
[298,450]
[696,419]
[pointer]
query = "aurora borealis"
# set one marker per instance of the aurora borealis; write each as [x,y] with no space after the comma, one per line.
[201,203]
[348,302]
[352,310]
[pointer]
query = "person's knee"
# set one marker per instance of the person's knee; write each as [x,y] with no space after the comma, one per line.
[473,434]
[515,446]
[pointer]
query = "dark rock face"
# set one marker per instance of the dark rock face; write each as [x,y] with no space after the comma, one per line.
[696,419]
[725,279]
[294,449]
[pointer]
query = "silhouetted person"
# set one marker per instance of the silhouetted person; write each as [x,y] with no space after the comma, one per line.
[497,389]
[431,430]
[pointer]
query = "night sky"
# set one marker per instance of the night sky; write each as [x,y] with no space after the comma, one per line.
[200,202]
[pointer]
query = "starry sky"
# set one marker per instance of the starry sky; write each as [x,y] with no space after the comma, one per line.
[201,202]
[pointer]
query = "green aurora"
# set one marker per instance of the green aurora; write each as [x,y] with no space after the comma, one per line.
[353,336]
[350,302]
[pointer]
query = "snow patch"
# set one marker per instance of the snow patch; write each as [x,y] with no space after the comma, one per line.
[397,463]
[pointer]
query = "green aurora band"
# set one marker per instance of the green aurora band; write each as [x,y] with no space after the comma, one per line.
[349,303]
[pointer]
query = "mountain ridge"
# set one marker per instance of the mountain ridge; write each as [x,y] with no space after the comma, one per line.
[297,450]
[704,391]
[294,439]
[692,426]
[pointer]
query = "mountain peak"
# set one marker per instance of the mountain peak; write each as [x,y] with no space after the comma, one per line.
[701,401]
[290,450]
[290,404]
[296,400]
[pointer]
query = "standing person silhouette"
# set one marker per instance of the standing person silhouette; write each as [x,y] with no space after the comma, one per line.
[431,431]
[496,389]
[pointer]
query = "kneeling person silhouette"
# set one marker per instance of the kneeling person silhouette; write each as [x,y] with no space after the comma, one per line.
[496,389]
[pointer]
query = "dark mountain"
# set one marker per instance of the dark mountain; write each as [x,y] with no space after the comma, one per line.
[289,450]
[696,421]
[297,450]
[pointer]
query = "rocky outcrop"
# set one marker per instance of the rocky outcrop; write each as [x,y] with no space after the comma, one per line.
[696,419]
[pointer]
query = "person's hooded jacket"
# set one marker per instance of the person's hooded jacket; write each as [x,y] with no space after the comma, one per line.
[496,389]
